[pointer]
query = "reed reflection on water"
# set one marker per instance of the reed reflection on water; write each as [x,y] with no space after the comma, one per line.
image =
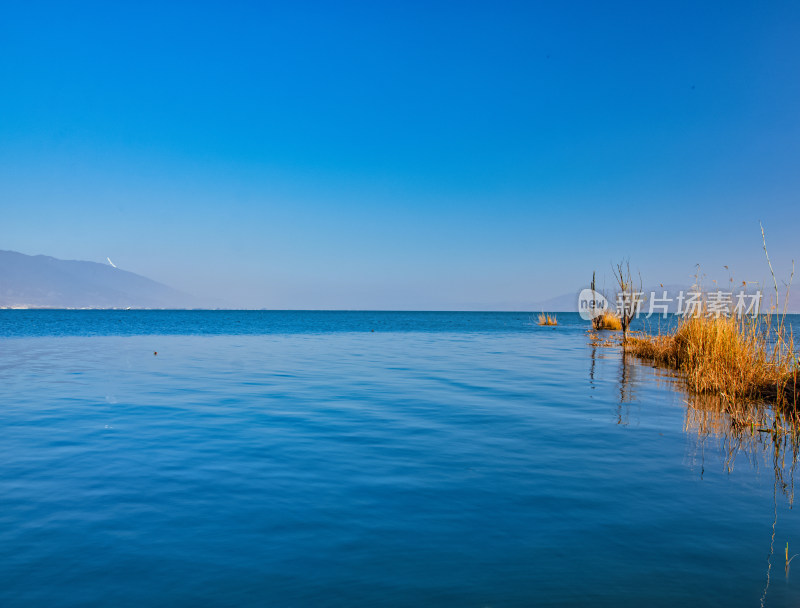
[747,430]
[750,429]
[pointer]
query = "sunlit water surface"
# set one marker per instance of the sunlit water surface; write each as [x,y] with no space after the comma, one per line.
[375,459]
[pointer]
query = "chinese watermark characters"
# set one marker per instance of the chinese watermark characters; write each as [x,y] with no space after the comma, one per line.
[692,303]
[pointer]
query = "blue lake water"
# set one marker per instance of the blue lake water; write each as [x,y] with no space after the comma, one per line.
[376,459]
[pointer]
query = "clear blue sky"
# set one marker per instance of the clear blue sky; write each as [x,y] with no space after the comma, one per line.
[401,155]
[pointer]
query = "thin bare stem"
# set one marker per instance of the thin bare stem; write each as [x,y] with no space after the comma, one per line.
[772,272]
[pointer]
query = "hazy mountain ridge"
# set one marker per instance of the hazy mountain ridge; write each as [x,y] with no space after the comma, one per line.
[40,281]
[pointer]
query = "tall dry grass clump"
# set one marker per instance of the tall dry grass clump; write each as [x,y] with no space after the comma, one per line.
[547,319]
[737,357]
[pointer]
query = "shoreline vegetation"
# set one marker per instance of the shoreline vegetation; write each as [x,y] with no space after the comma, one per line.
[738,358]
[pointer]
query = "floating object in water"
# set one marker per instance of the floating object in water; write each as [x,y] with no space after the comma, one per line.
[110,262]
[155,352]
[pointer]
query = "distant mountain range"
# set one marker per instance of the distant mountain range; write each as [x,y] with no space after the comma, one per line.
[39,281]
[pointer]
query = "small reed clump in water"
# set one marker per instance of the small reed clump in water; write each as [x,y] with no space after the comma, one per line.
[547,319]
[607,320]
[732,356]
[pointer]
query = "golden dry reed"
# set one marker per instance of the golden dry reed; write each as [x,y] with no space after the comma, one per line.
[607,320]
[735,357]
[547,319]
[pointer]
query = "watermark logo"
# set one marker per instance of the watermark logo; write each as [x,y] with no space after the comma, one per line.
[634,304]
[591,304]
